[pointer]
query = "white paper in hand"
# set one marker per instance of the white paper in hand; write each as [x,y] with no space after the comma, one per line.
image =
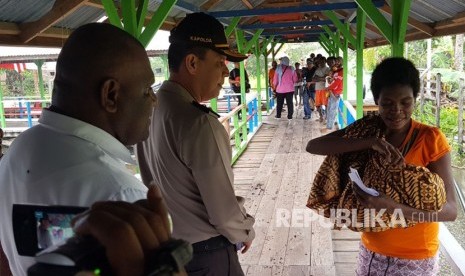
[355,177]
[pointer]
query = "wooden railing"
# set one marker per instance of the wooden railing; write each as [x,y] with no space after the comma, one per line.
[241,128]
[25,110]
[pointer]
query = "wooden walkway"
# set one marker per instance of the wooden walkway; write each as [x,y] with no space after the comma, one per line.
[275,174]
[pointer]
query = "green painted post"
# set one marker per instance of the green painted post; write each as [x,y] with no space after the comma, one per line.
[279,49]
[112,13]
[240,47]
[230,29]
[39,64]
[345,66]
[323,45]
[259,85]
[361,20]
[267,82]
[264,51]
[140,14]
[237,138]
[335,39]
[129,16]
[133,20]
[2,111]
[328,44]
[156,21]
[400,13]
[252,41]
[272,51]
[332,16]
[376,17]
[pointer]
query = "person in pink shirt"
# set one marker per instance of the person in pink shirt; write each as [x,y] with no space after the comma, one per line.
[283,80]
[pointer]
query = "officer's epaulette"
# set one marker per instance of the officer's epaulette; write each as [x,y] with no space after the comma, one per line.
[205,109]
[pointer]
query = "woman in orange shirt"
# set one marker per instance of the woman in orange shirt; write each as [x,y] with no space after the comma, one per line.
[399,251]
[271,73]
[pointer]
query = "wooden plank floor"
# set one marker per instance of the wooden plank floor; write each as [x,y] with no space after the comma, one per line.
[275,174]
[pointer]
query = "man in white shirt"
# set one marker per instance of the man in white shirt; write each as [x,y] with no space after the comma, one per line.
[102,101]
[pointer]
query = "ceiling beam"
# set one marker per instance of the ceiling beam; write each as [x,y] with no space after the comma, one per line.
[169,21]
[210,4]
[14,40]
[459,17]
[94,3]
[7,28]
[60,10]
[412,22]
[296,32]
[303,8]
[280,4]
[286,24]
[247,4]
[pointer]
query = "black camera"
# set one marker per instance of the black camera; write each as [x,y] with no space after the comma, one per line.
[46,233]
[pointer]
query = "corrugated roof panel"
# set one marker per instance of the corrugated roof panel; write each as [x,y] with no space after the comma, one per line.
[427,11]
[229,6]
[81,16]
[420,17]
[174,13]
[26,11]
[446,8]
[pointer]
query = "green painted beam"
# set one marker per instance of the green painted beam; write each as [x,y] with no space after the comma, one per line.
[400,13]
[277,50]
[347,35]
[378,19]
[240,40]
[337,38]
[361,23]
[39,64]
[259,80]
[327,43]
[230,29]
[267,83]
[156,21]
[324,47]
[252,41]
[265,44]
[240,48]
[271,50]
[333,37]
[345,73]
[141,14]
[112,13]
[129,16]
[264,52]
[345,65]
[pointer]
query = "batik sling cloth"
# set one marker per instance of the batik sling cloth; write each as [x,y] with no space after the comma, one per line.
[412,185]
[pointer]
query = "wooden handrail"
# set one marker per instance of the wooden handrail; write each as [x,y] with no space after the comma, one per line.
[231,113]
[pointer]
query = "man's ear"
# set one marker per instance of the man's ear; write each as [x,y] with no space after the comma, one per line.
[109,93]
[191,63]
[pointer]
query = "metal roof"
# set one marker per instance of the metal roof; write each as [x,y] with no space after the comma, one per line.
[49,22]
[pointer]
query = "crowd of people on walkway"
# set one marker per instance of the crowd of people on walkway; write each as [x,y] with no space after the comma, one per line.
[103,101]
[317,87]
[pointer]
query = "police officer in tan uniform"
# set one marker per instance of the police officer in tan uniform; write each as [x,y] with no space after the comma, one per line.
[188,153]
